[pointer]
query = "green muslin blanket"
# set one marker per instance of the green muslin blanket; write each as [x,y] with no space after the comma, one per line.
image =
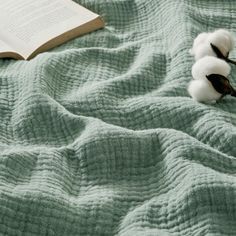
[100,137]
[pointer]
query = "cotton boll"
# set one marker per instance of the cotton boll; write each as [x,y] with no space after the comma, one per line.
[202,91]
[200,39]
[202,50]
[210,80]
[223,40]
[209,65]
[229,37]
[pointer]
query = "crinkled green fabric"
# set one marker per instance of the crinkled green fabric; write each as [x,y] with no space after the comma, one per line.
[99,136]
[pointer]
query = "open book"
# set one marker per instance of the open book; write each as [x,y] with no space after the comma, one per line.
[28,27]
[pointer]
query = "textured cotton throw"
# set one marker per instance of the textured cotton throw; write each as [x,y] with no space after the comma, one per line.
[99,137]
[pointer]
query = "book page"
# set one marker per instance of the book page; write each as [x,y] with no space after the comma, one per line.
[31,23]
[5,48]
[7,52]
[9,43]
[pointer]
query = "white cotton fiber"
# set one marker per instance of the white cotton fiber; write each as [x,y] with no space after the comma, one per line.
[221,38]
[202,50]
[209,65]
[199,40]
[203,91]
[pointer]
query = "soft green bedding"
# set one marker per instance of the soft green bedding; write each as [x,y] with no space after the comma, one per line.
[99,136]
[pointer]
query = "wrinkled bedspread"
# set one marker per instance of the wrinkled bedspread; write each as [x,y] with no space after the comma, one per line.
[99,136]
